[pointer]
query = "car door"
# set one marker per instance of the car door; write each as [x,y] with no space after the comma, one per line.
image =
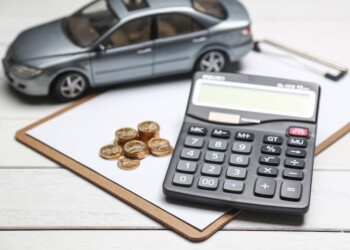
[128,54]
[179,40]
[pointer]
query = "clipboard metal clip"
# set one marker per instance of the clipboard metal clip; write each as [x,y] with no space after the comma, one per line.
[334,77]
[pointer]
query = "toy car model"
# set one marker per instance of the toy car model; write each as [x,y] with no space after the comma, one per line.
[114,41]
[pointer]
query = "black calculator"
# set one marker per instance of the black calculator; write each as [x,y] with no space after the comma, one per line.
[247,142]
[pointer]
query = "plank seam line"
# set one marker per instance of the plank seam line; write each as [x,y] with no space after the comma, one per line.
[165,229]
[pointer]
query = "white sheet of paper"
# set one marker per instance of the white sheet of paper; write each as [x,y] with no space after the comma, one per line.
[80,132]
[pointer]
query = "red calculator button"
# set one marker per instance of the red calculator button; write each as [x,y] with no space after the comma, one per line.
[297,131]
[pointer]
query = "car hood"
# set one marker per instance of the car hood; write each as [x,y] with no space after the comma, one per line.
[46,40]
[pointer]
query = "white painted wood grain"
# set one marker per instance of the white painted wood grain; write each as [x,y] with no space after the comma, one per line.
[318,27]
[85,240]
[335,157]
[14,153]
[18,15]
[57,199]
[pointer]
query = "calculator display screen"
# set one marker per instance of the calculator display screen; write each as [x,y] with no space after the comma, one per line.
[255,98]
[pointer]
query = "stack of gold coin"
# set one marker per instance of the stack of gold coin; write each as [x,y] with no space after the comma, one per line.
[124,135]
[130,146]
[136,149]
[159,147]
[148,130]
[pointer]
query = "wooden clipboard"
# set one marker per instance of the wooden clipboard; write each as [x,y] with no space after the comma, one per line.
[158,214]
[146,207]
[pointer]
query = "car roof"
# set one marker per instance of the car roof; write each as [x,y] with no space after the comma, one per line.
[120,9]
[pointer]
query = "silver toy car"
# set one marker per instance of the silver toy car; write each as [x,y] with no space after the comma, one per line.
[115,41]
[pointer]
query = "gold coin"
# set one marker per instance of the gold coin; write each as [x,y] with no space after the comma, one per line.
[159,146]
[136,149]
[128,164]
[124,135]
[149,127]
[111,152]
[163,153]
[148,130]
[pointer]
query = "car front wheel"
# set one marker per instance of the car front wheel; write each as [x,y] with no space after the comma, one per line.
[70,86]
[212,61]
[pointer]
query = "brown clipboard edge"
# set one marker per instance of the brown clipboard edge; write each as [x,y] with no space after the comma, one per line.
[332,139]
[130,198]
[146,207]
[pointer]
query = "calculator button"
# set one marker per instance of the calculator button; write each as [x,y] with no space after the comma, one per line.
[190,154]
[236,173]
[293,174]
[271,150]
[295,152]
[233,186]
[211,169]
[268,171]
[272,139]
[195,130]
[243,136]
[297,142]
[194,142]
[294,163]
[239,160]
[297,131]
[265,187]
[217,145]
[208,183]
[186,166]
[269,160]
[241,147]
[214,157]
[184,180]
[220,133]
[291,190]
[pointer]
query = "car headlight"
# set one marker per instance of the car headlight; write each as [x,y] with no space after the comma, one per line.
[26,71]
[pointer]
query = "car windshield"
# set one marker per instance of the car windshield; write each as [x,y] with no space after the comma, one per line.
[90,23]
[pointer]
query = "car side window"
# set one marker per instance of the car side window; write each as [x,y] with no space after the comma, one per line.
[136,31]
[176,24]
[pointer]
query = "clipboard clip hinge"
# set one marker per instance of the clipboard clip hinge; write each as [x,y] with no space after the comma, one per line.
[334,77]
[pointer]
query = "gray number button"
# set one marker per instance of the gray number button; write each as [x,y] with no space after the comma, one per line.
[184,180]
[242,147]
[239,160]
[233,186]
[190,154]
[194,142]
[186,166]
[236,173]
[214,157]
[211,169]
[208,183]
[217,145]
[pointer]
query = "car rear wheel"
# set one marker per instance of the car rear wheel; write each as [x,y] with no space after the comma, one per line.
[212,61]
[70,86]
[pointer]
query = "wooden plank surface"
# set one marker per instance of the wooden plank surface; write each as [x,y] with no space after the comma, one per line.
[57,199]
[140,239]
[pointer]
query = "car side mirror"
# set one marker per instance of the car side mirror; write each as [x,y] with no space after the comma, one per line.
[101,48]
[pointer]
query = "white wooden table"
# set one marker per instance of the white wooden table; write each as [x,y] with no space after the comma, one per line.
[43,206]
